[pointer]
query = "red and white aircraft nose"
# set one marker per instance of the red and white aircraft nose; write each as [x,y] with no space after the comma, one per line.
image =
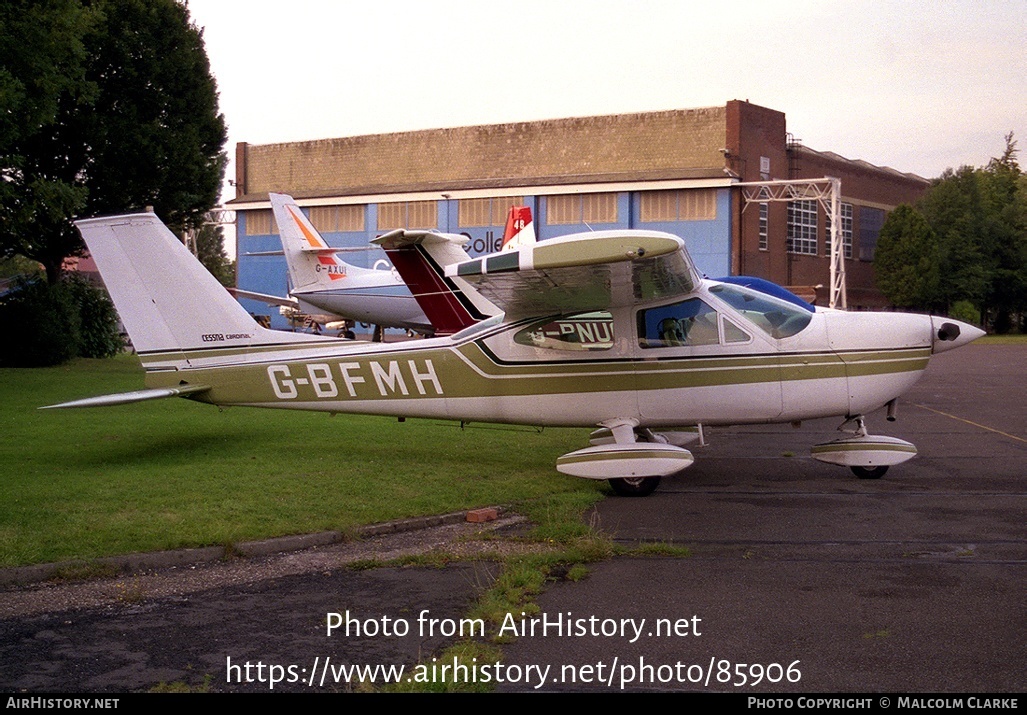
[947,333]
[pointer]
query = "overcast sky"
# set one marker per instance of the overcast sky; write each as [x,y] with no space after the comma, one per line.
[913,85]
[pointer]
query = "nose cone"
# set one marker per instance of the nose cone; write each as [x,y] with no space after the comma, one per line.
[948,333]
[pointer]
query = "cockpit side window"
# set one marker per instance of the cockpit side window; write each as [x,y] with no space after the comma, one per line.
[778,318]
[690,322]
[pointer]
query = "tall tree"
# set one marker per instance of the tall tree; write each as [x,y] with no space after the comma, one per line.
[907,260]
[43,61]
[1006,244]
[136,124]
[954,209]
[975,249]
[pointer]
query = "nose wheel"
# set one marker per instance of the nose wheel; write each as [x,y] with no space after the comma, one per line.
[867,455]
[869,472]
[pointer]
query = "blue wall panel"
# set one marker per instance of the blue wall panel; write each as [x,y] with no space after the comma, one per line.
[708,242]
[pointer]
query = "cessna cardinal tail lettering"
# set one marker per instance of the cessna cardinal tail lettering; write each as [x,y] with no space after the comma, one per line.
[614,330]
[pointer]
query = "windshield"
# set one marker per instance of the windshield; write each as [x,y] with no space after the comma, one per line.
[777,318]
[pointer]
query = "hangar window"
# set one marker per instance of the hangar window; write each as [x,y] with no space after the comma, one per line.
[486,212]
[846,229]
[870,222]
[678,205]
[581,208]
[261,223]
[408,214]
[802,227]
[329,219]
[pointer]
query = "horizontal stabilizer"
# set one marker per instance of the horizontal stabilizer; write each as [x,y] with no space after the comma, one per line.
[265,298]
[401,237]
[127,398]
[325,251]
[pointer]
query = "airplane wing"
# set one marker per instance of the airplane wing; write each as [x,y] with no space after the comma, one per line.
[582,272]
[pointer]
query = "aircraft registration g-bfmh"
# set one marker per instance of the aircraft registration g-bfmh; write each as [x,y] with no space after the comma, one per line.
[324,283]
[615,330]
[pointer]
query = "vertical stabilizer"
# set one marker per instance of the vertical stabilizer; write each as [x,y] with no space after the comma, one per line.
[311,261]
[167,300]
[520,229]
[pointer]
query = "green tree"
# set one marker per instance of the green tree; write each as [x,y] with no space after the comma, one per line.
[210,250]
[1006,238]
[99,325]
[127,119]
[42,75]
[155,135]
[976,250]
[907,261]
[953,207]
[55,322]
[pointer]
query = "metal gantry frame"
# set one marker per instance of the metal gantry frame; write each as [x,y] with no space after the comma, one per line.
[217,216]
[826,192]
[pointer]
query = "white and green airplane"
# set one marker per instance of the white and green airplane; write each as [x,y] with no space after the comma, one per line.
[615,330]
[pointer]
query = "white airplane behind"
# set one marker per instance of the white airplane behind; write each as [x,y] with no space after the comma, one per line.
[662,354]
[323,283]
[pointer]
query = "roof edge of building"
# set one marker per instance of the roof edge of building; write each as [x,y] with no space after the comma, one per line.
[527,183]
[498,126]
[859,163]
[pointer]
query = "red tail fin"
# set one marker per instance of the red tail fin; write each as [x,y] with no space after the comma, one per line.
[519,228]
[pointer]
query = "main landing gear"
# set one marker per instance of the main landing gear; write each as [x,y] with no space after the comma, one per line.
[630,458]
[634,486]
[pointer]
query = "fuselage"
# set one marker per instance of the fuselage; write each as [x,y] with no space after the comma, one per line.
[717,356]
[385,301]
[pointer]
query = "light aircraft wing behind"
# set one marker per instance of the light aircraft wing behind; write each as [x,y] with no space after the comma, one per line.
[265,298]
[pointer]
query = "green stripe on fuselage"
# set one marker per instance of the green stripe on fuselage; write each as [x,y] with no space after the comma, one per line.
[471,370]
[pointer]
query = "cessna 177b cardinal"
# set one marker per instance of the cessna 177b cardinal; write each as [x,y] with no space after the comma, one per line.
[614,330]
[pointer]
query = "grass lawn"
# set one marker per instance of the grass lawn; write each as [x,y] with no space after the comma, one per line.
[172,473]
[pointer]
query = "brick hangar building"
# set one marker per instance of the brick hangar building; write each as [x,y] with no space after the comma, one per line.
[694,173]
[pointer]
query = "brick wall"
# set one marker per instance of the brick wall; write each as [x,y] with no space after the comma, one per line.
[572,149]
